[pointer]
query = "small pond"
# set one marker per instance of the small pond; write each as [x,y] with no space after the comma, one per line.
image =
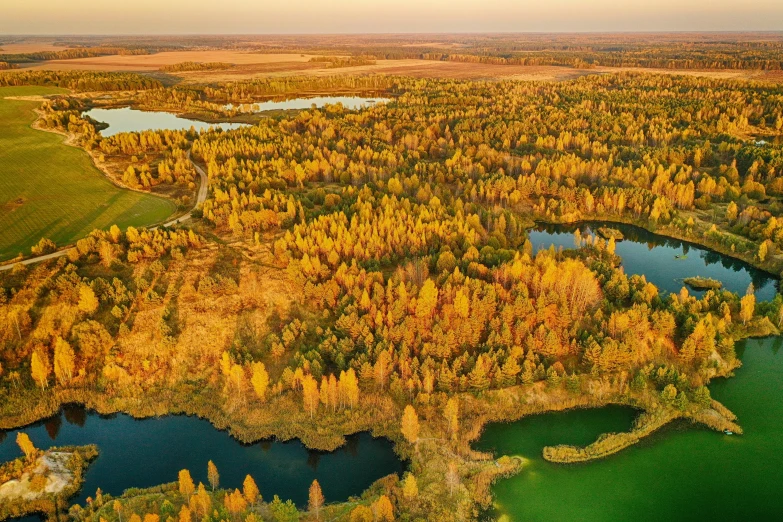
[134,120]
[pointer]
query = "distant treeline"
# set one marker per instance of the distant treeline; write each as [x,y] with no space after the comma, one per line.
[196,66]
[669,51]
[337,62]
[69,54]
[261,87]
[81,80]
[581,59]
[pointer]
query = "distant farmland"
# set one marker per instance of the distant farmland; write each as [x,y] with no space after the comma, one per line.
[49,189]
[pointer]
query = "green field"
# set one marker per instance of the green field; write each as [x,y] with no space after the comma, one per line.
[49,189]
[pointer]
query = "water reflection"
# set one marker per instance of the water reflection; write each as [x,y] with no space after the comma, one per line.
[144,453]
[132,120]
[653,255]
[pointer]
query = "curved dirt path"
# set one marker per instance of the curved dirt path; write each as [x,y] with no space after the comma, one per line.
[201,197]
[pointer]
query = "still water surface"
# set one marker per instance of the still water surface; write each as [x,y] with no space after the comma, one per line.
[133,120]
[144,453]
[683,472]
[653,256]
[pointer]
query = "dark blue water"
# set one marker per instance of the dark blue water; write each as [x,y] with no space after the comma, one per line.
[149,452]
[653,256]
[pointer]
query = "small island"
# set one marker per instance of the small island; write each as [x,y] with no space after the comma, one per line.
[703,283]
[609,233]
[40,481]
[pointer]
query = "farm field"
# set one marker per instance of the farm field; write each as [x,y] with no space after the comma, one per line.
[254,65]
[48,189]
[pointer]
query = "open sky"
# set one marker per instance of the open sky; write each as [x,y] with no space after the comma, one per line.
[382,16]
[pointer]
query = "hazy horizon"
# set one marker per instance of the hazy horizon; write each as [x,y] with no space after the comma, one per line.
[248,17]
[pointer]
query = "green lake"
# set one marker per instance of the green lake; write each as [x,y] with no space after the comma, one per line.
[683,472]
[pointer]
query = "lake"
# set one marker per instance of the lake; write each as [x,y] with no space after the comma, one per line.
[133,120]
[349,102]
[148,452]
[643,252]
[681,473]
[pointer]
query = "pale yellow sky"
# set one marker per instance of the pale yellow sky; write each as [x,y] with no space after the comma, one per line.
[382,16]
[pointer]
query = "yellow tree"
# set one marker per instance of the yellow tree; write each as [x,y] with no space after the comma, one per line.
[260,380]
[88,303]
[26,445]
[185,515]
[213,475]
[250,490]
[410,424]
[39,369]
[383,509]
[63,361]
[361,514]
[763,249]
[316,499]
[186,486]
[747,307]
[410,488]
[349,387]
[451,412]
[234,502]
[201,502]
[310,394]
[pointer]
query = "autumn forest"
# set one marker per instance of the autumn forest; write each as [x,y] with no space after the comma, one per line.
[372,269]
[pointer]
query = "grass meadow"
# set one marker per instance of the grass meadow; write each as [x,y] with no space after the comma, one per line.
[49,189]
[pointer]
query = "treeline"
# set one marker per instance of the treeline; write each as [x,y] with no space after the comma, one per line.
[70,54]
[81,81]
[196,66]
[670,51]
[337,62]
[646,59]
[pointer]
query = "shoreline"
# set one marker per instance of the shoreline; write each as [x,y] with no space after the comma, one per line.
[671,235]
[71,139]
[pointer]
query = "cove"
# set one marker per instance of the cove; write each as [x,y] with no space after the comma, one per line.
[349,102]
[681,473]
[133,120]
[143,453]
[643,252]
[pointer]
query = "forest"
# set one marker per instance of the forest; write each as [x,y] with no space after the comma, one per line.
[371,269]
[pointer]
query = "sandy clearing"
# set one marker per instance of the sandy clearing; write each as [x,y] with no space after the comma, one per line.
[53,465]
